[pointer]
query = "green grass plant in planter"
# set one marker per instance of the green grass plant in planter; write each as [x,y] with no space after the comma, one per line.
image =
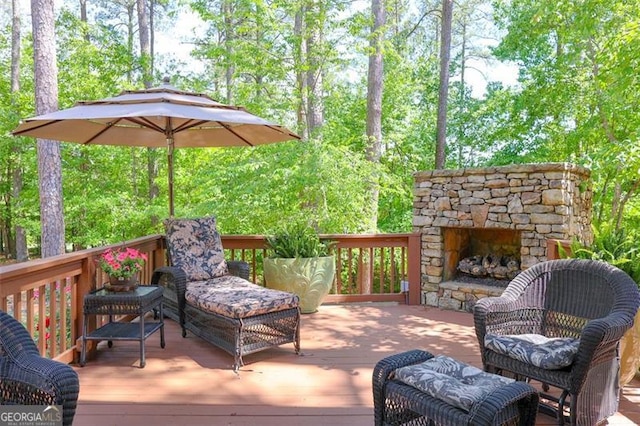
[301,263]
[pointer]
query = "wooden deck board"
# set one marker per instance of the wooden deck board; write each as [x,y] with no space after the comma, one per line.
[191,382]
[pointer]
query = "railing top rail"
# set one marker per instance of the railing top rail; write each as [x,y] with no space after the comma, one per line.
[341,236]
[342,240]
[8,272]
[63,262]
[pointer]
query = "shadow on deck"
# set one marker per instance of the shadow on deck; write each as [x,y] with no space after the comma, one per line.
[191,382]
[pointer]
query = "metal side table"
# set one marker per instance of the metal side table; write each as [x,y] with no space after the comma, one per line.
[135,302]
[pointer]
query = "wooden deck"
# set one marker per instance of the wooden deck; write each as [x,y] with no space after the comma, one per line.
[190,382]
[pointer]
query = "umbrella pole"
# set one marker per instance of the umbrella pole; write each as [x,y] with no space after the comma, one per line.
[170,173]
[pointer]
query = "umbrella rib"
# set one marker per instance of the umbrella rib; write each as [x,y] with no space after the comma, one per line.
[188,125]
[145,122]
[288,132]
[104,129]
[228,127]
[30,129]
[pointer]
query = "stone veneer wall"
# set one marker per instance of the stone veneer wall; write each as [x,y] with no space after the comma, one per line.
[541,201]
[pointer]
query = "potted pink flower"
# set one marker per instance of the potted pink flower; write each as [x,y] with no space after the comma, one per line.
[122,265]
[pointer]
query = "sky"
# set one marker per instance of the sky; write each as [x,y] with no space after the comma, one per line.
[477,76]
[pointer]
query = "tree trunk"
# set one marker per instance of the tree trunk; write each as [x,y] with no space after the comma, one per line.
[152,37]
[130,36]
[49,160]
[145,44]
[21,250]
[301,82]
[443,93]
[147,73]
[315,101]
[374,107]
[17,242]
[227,13]
[83,17]
[463,65]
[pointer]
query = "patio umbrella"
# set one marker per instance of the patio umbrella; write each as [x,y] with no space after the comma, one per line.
[157,117]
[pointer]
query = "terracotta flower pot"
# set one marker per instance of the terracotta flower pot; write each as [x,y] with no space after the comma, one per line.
[122,284]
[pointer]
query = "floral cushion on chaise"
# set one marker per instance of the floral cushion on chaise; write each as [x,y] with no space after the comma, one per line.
[550,353]
[195,247]
[235,297]
[451,381]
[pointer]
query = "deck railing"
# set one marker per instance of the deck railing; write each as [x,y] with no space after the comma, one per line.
[380,267]
[46,294]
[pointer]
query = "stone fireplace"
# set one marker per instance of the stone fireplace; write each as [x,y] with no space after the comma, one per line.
[494,212]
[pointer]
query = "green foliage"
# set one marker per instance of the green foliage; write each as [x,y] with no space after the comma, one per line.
[578,80]
[615,247]
[298,240]
[578,86]
[253,190]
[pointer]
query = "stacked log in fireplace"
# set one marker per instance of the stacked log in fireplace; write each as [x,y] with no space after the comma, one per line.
[490,265]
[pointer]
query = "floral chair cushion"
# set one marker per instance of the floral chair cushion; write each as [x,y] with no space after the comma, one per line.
[195,247]
[544,352]
[236,297]
[451,381]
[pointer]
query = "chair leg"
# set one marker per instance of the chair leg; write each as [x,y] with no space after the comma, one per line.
[557,412]
[561,404]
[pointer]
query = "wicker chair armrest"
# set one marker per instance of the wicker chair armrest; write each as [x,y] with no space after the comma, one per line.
[383,371]
[599,340]
[607,329]
[51,378]
[526,396]
[239,268]
[27,378]
[30,379]
[488,305]
[480,312]
[172,275]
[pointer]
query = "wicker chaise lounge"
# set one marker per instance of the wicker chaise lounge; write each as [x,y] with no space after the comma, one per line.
[559,323]
[212,297]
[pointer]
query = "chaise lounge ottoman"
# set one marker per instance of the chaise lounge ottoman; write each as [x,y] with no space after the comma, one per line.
[418,388]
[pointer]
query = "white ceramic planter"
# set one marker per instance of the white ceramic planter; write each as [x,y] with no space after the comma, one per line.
[310,278]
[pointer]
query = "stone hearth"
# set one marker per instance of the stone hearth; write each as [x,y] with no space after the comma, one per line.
[514,209]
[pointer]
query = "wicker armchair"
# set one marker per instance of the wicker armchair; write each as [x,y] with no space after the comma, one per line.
[587,303]
[26,378]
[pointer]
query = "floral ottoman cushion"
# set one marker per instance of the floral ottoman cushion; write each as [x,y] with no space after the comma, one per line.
[451,381]
[551,353]
[235,297]
[195,246]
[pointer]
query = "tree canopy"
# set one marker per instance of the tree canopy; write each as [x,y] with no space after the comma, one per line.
[304,64]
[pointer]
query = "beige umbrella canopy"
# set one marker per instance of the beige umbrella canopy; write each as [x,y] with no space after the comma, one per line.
[158,117]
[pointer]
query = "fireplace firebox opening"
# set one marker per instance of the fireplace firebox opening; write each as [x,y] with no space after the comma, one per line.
[497,252]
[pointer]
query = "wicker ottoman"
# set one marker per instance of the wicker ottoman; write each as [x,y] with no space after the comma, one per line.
[418,388]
